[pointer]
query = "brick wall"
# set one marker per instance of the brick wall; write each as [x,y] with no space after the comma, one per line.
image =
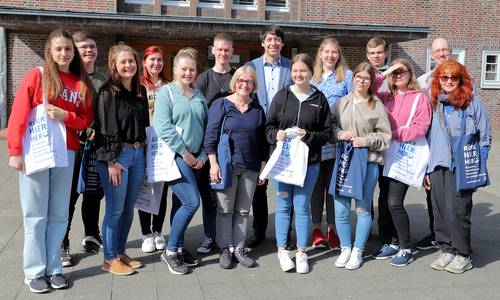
[26,51]
[72,5]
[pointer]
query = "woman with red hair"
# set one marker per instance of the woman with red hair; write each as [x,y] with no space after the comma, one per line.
[152,79]
[454,103]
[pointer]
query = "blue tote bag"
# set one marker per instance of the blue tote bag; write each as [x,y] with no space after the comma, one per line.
[223,158]
[470,167]
[350,171]
[88,179]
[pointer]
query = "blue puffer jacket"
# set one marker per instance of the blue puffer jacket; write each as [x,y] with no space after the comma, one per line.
[447,119]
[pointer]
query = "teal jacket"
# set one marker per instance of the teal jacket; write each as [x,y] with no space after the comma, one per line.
[190,114]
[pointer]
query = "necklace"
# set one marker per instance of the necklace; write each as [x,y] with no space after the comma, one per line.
[221,87]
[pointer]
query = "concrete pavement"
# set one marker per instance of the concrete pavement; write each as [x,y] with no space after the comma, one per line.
[374,280]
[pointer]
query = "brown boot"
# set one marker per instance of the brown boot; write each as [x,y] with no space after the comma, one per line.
[117,267]
[131,262]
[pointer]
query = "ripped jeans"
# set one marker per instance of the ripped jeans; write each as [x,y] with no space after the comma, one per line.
[288,196]
[363,212]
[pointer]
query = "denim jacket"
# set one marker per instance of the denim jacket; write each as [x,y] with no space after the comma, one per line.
[444,119]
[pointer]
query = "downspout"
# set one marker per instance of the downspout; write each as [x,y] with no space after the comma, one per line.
[3,79]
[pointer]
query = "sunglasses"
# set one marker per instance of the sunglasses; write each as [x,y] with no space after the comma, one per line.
[448,78]
[399,73]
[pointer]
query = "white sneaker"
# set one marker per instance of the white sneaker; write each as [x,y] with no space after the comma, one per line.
[343,257]
[148,244]
[302,264]
[160,242]
[355,260]
[286,262]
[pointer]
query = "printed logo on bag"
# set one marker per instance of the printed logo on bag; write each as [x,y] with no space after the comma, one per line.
[471,154]
[407,149]
[285,151]
[37,128]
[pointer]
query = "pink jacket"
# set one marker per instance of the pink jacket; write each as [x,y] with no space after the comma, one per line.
[399,107]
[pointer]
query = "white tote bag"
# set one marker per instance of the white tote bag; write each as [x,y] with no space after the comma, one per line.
[160,159]
[288,162]
[407,162]
[44,142]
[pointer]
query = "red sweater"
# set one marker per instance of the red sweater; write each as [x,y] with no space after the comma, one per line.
[29,95]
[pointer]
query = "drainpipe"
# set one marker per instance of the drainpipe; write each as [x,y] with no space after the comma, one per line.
[3,79]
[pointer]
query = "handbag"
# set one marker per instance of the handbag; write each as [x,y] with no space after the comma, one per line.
[44,142]
[160,159]
[224,157]
[470,168]
[406,162]
[349,171]
[288,162]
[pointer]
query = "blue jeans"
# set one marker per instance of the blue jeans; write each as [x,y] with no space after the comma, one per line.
[288,196]
[120,200]
[186,190]
[363,211]
[45,202]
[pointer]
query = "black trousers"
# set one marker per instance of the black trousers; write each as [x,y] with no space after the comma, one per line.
[91,204]
[386,229]
[452,213]
[260,210]
[145,217]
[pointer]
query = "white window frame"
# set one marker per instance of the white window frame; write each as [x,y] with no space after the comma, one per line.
[211,5]
[246,7]
[181,3]
[279,9]
[490,84]
[459,52]
[150,2]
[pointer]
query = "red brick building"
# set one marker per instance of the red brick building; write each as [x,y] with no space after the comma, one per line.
[472,27]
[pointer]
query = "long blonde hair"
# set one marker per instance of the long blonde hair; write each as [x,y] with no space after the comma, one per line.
[340,67]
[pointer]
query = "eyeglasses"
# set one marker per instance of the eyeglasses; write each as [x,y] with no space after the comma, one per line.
[358,78]
[448,78]
[243,81]
[399,73]
[444,51]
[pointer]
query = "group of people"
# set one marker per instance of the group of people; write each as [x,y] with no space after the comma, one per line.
[249,110]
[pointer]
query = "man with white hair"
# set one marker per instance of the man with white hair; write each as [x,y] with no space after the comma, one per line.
[440,52]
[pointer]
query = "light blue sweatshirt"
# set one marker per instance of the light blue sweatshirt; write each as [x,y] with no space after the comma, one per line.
[190,114]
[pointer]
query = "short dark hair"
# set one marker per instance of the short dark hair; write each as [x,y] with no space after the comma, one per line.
[82,35]
[274,30]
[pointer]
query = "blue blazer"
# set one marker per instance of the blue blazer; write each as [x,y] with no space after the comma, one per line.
[285,78]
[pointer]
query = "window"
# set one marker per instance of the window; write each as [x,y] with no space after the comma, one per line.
[490,70]
[457,54]
[175,2]
[211,3]
[277,5]
[245,4]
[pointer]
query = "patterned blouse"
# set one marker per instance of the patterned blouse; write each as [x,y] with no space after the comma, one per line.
[334,90]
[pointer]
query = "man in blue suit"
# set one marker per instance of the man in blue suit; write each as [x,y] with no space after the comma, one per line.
[273,74]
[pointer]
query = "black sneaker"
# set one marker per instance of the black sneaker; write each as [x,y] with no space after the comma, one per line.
[188,259]
[243,258]
[58,281]
[226,259]
[428,242]
[38,285]
[174,263]
[91,244]
[207,246]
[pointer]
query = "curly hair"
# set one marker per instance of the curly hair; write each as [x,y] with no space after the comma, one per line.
[463,94]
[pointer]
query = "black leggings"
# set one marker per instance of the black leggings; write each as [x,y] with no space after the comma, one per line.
[394,225]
